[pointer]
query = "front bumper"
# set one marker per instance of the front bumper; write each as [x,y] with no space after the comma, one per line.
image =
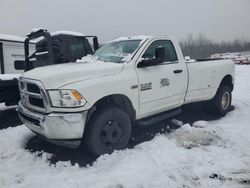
[60,128]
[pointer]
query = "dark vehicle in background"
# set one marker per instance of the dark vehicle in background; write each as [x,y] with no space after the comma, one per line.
[40,48]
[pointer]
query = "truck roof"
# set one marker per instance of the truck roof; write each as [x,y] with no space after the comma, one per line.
[73,33]
[11,38]
[139,37]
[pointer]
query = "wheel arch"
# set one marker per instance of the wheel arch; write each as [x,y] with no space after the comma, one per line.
[119,100]
[227,81]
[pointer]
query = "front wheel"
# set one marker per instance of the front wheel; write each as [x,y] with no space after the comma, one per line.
[109,129]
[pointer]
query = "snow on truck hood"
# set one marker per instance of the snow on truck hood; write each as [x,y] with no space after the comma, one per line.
[56,76]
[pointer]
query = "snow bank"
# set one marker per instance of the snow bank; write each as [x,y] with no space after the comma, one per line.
[89,59]
[95,59]
[3,108]
[208,154]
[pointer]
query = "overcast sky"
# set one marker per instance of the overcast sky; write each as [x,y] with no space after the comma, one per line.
[217,19]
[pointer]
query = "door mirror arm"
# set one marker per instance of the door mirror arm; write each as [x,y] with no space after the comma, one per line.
[150,62]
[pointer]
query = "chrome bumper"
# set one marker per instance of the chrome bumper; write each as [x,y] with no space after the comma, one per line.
[60,128]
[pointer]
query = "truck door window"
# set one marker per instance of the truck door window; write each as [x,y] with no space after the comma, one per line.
[170,53]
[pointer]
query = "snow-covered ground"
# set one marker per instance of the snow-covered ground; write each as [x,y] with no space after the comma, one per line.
[3,108]
[207,154]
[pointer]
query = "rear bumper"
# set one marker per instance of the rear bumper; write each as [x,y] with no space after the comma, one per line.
[60,128]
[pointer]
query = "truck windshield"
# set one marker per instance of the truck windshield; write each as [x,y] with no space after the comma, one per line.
[117,51]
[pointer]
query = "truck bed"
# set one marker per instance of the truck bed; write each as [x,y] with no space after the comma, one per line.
[205,76]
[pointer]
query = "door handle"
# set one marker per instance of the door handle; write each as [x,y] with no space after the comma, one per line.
[177,71]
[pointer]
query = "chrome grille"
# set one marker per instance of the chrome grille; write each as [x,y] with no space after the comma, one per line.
[33,95]
[33,88]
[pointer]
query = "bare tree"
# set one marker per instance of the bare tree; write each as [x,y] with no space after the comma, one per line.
[202,47]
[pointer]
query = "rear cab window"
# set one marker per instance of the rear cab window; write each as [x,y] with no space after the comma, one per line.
[79,47]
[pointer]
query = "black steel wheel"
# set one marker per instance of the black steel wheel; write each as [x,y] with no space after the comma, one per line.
[109,129]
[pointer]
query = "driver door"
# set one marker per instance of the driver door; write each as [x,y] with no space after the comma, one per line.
[162,86]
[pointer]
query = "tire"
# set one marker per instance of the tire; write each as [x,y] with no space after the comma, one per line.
[109,129]
[222,102]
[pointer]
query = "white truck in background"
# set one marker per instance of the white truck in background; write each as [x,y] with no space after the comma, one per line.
[131,79]
[11,50]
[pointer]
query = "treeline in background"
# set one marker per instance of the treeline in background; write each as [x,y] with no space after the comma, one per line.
[202,47]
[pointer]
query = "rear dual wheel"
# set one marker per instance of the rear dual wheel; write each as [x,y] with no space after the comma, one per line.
[221,103]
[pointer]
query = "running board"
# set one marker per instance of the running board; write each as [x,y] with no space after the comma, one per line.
[160,117]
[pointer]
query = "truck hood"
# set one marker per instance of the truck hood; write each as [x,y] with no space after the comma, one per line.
[56,76]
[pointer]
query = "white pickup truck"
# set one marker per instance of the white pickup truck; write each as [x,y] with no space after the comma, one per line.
[128,80]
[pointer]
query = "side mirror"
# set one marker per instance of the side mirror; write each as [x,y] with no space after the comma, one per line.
[145,63]
[159,58]
[160,53]
[95,43]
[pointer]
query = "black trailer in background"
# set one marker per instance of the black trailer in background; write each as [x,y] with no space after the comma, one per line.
[49,50]
[1,58]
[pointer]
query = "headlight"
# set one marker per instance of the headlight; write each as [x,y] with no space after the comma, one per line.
[66,98]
